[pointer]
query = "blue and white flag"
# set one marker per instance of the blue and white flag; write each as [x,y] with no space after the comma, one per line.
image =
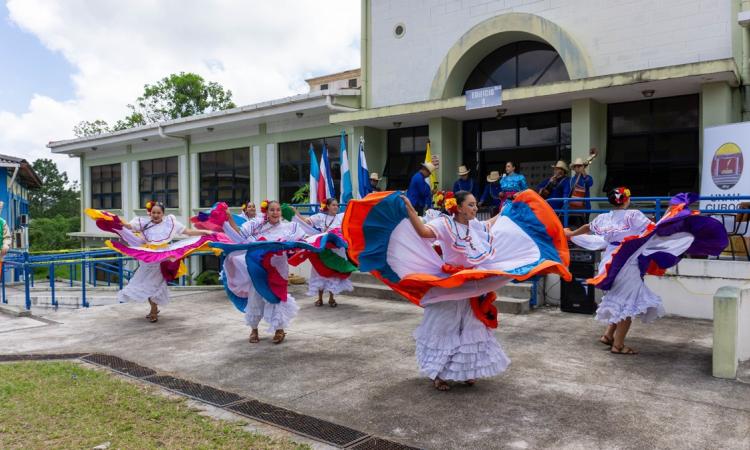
[363,175]
[314,174]
[346,178]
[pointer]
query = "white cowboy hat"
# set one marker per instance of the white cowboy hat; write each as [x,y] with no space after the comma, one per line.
[577,162]
[374,176]
[429,166]
[561,165]
[493,176]
[463,170]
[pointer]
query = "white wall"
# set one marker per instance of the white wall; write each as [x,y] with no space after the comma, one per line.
[618,36]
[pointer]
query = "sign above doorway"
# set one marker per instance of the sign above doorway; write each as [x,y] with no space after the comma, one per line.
[486,97]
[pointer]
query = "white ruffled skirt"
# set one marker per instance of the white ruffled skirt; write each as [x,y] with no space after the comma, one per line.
[278,315]
[453,344]
[335,286]
[147,283]
[629,297]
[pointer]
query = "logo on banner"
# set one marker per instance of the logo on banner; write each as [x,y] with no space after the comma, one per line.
[726,166]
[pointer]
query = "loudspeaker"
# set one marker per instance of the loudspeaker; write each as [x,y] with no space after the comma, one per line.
[576,296]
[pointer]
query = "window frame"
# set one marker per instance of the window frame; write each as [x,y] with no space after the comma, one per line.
[115,196]
[412,158]
[302,166]
[162,195]
[239,175]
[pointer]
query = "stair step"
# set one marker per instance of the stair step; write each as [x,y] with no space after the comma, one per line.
[375,290]
[509,305]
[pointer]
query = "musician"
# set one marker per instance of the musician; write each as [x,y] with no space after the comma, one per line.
[464,183]
[580,186]
[556,186]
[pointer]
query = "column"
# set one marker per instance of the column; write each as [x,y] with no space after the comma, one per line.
[716,108]
[445,140]
[589,129]
[272,172]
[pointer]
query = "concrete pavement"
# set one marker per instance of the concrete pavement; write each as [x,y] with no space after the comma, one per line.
[354,365]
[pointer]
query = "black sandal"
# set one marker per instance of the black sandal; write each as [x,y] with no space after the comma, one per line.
[441,385]
[332,302]
[319,302]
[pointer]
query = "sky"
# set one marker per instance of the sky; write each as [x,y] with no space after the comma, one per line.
[70,60]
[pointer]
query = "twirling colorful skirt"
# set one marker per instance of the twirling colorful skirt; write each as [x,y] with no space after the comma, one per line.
[624,264]
[330,268]
[455,340]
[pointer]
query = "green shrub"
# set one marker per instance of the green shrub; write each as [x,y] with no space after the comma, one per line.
[207,278]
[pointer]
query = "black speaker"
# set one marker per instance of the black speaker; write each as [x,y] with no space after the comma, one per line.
[576,296]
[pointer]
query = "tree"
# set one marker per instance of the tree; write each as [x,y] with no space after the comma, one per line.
[87,128]
[172,97]
[57,196]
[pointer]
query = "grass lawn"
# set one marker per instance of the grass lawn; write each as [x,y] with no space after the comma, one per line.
[65,405]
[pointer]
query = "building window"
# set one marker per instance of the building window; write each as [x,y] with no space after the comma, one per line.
[225,177]
[533,141]
[653,147]
[352,82]
[406,151]
[524,63]
[294,164]
[158,181]
[106,190]
[323,87]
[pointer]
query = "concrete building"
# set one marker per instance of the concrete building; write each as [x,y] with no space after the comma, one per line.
[19,177]
[638,80]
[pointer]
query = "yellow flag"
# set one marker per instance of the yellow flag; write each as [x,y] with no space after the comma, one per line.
[433,175]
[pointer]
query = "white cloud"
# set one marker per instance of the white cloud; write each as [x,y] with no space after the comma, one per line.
[259,49]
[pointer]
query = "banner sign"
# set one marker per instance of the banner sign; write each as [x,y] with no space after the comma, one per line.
[484,97]
[725,149]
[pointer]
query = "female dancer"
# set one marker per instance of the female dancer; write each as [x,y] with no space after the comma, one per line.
[239,282]
[634,246]
[511,183]
[148,283]
[455,341]
[248,210]
[328,219]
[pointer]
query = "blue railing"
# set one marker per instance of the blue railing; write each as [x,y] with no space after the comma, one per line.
[660,206]
[83,267]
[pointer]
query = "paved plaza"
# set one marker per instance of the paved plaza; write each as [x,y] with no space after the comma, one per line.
[354,365]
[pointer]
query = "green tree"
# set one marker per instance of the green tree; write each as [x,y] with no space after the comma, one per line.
[57,195]
[47,233]
[172,97]
[179,95]
[87,128]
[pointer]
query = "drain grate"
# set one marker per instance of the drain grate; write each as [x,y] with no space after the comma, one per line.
[40,356]
[119,365]
[305,425]
[381,444]
[198,391]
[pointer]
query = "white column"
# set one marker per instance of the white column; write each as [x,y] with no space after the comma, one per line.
[272,172]
[125,188]
[135,202]
[195,182]
[183,185]
[256,175]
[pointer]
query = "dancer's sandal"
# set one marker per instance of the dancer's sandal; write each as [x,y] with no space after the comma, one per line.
[148,316]
[279,336]
[319,302]
[624,350]
[606,340]
[254,338]
[152,318]
[332,302]
[470,382]
[441,385]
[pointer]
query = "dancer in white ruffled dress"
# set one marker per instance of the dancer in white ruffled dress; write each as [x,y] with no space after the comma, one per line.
[277,315]
[629,296]
[148,283]
[452,344]
[327,220]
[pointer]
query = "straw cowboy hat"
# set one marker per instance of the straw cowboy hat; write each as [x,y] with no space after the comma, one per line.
[374,176]
[493,176]
[429,166]
[561,165]
[463,170]
[577,162]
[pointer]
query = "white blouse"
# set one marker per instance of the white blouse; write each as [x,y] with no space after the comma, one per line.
[161,233]
[618,224]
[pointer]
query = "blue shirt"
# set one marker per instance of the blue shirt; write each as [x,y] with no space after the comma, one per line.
[491,194]
[468,185]
[513,183]
[585,182]
[419,192]
[562,190]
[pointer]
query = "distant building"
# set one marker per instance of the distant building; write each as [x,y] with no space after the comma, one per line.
[19,178]
[349,79]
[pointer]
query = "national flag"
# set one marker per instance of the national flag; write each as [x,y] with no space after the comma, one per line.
[314,174]
[432,180]
[363,174]
[346,178]
[325,180]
